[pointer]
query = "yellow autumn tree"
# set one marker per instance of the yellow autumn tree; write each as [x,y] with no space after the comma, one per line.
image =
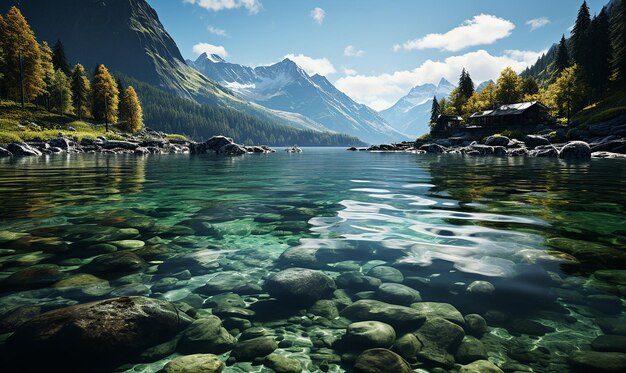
[509,87]
[48,72]
[105,96]
[24,74]
[131,115]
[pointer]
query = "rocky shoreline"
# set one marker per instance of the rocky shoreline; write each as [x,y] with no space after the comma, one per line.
[148,142]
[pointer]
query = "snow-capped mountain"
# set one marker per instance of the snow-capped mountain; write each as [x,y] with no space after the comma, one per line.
[482,85]
[411,114]
[286,87]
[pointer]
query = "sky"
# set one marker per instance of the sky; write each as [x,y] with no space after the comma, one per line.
[374,51]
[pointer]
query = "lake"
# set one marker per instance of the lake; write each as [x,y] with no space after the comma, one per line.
[536,248]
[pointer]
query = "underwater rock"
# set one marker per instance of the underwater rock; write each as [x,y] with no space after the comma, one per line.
[282,364]
[301,257]
[593,361]
[481,288]
[480,366]
[37,276]
[17,317]
[111,264]
[439,310]
[612,325]
[386,274]
[370,334]
[299,285]
[197,363]
[206,335]
[94,336]
[250,349]
[609,343]
[224,300]
[470,349]
[530,327]
[357,281]
[397,294]
[407,346]
[475,325]
[228,281]
[394,315]
[439,337]
[380,360]
[326,308]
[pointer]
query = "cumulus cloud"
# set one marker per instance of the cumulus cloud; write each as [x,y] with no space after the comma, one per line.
[210,49]
[349,72]
[483,29]
[318,15]
[538,23]
[313,66]
[253,6]
[381,91]
[217,31]
[352,51]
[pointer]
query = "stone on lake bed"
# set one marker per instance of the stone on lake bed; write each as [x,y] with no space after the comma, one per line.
[299,285]
[129,244]
[481,288]
[392,314]
[609,343]
[480,366]
[355,280]
[116,262]
[228,281]
[441,310]
[530,327]
[475,325]
[206,335]
[197,363]
[250,349]
[370,334]
[387,274]
[593,361]
[470,349]
[99,334]
[439,337]
[380,360]
[282,364]
[397,294]
[407,346]
[37,276]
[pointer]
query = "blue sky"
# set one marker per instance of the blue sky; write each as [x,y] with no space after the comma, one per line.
[374,51]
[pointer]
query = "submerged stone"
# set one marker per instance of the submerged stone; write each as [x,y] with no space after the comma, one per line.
[387,274]
[370,334]
[380,360]
[475,325]
[250,349]
[115,263]
[609,343]
[407,346]
[299,285]
[206,335]
[197,363]
[397,293]
[37,276]
[593,361]
[470,349]
[395,315]
[480,366]
[441,310]
[94,336]
[282,364]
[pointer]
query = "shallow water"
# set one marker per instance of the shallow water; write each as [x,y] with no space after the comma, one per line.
[538,230]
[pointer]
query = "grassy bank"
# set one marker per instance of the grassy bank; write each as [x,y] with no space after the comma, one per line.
[610,108]
[16,125]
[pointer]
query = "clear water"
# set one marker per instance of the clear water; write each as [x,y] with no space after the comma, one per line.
[537,229]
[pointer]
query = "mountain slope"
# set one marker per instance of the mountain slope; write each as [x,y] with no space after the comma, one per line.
[128,37]
[285,86]
[411,114]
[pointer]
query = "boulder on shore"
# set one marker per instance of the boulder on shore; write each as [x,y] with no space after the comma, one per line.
[576,150]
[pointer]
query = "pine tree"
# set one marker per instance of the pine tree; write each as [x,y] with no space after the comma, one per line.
[580,38]
[2,26]
[105,96]
[466,85]
[508,87]
[131,114]
[60,93]
[435,110]
[24,76]
[618,36]
[59,58]
[48,72]
[600,54]
[562,60]
[529,86]
[80,91]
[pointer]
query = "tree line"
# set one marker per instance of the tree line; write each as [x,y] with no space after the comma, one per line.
[32,72]
[583,70]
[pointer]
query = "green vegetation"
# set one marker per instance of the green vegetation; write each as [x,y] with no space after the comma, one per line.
[16,125]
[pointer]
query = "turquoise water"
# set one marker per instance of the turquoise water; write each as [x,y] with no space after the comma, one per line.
[549,236]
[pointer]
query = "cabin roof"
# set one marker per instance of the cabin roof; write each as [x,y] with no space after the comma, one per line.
[511,109]
[449,117]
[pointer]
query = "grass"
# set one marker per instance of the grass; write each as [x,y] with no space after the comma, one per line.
[611,107]
[15,125]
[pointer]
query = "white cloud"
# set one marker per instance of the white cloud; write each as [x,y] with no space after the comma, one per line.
[253,6]
[313,66]
[210,49]
[481,30]
[349,72]
[538,23]
[381,91]
[318,15]
[352,51]
[217,31]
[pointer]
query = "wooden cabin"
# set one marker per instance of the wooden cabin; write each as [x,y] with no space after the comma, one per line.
[445,123]
[520,114]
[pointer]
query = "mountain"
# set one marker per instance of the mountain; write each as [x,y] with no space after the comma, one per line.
[482,85]
[411,114]
[286,87]
[128,37]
